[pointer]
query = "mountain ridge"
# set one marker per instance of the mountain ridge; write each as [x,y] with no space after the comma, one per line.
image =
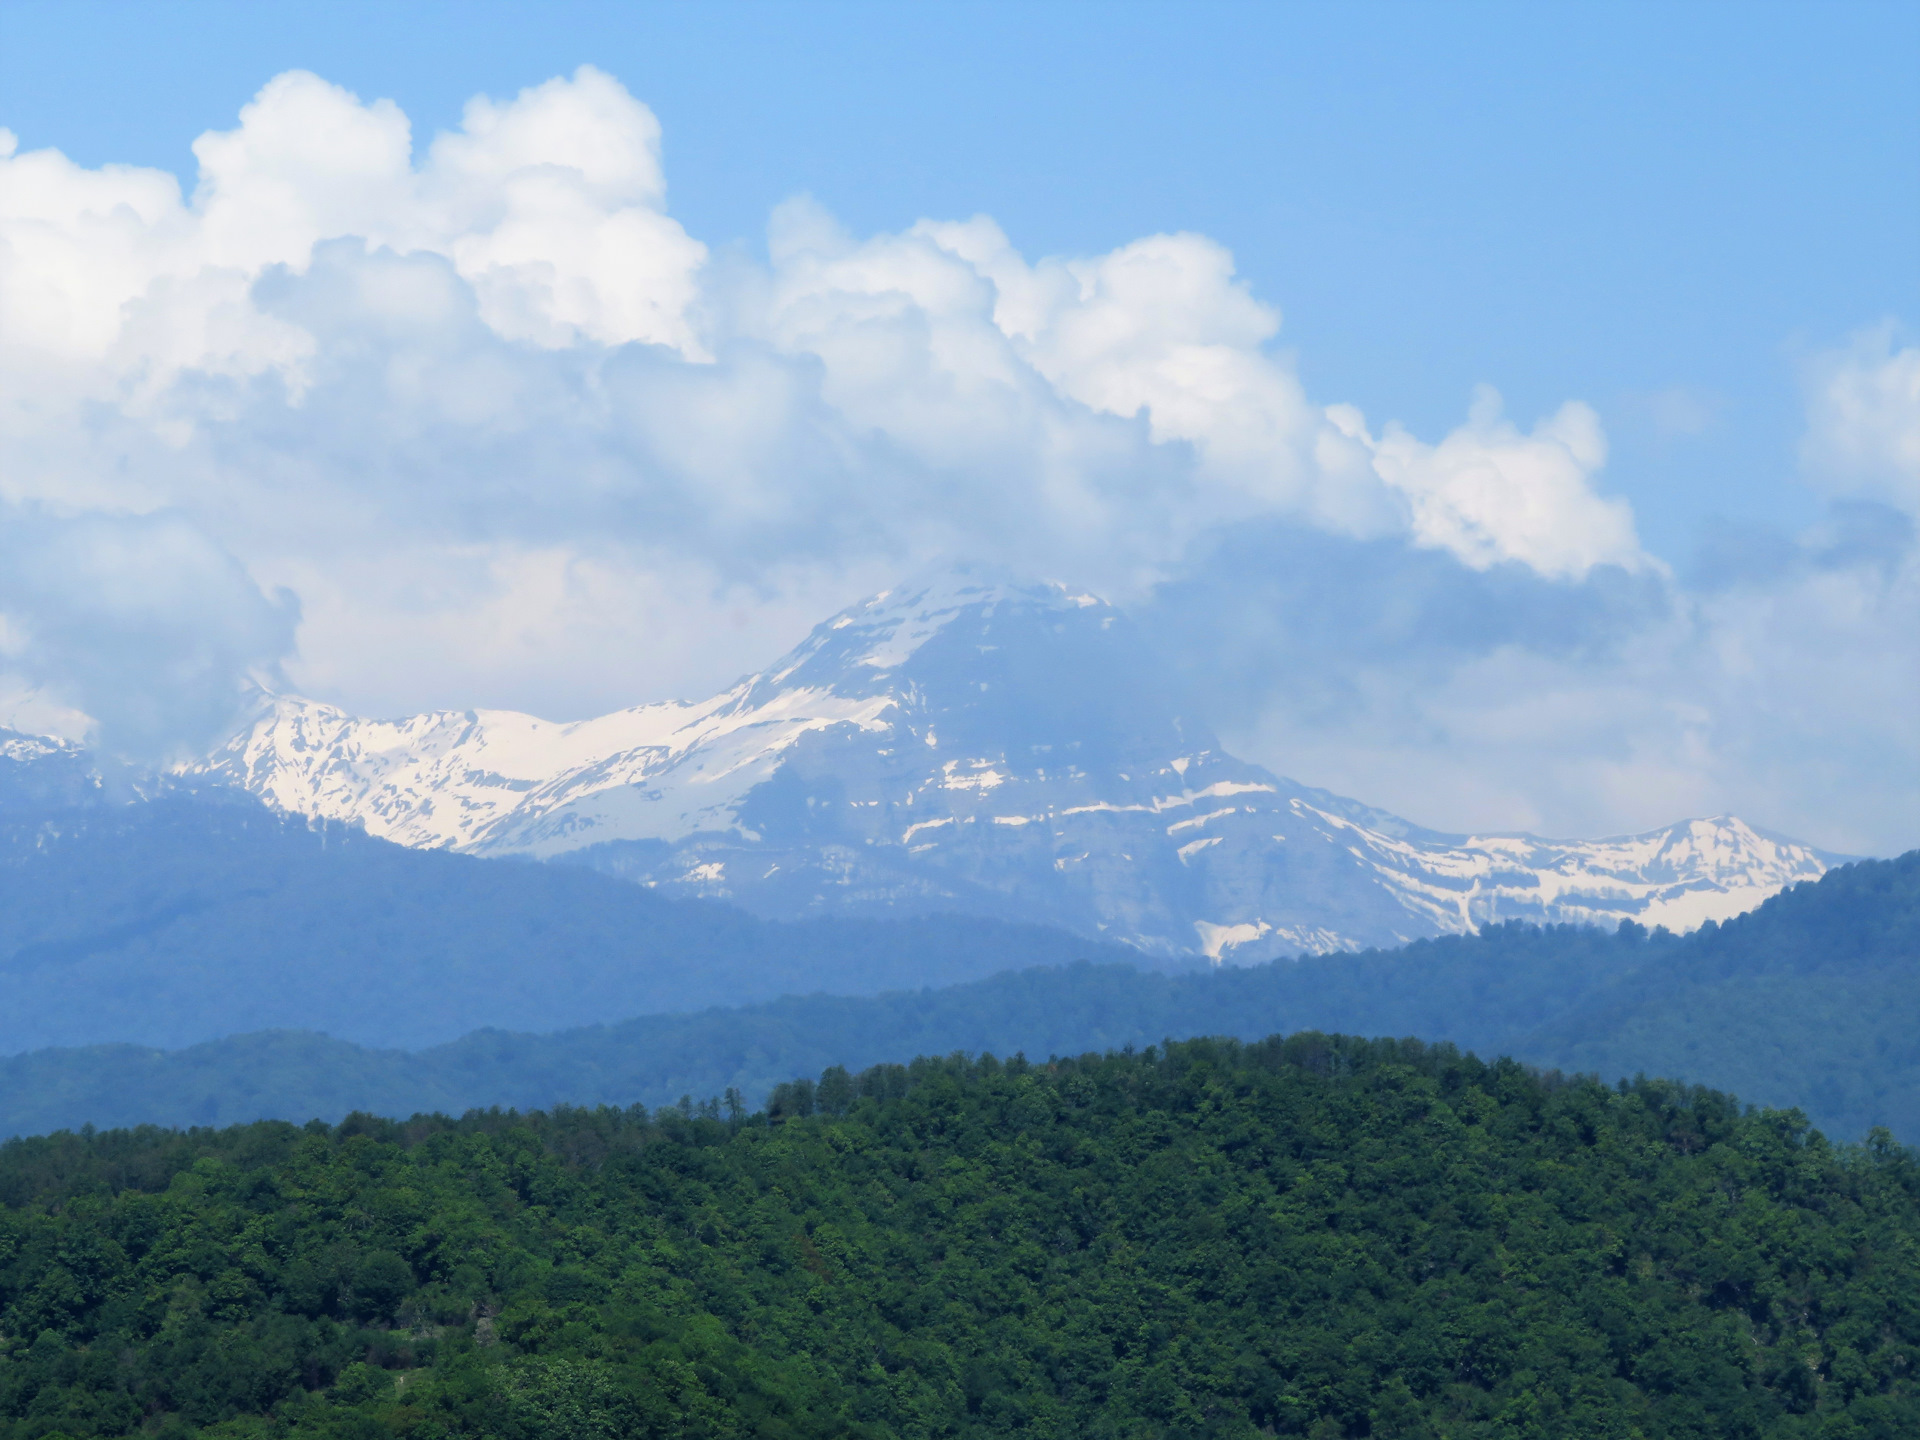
[1805,1002]
[1004,750]
[189,917]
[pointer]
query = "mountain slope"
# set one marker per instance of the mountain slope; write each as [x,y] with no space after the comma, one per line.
[999,750]
[1479,990]
[178,919]
[1813,1002]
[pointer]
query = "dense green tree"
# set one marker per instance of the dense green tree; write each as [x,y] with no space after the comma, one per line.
[1312,1236]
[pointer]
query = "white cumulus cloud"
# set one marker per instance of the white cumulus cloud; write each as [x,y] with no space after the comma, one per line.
[550,206]
[474,420]
[1489,493]
[426,379]
[1864,436]
[133,628]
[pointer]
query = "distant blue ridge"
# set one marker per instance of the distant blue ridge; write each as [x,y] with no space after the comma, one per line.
[1809,1002]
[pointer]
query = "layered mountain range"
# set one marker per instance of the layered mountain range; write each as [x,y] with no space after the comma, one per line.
[1008,751]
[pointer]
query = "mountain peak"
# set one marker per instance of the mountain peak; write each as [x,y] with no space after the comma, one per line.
[886,631]
[972,743]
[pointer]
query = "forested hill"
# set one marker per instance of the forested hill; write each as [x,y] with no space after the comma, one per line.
[1811,1001]
[1483,991]
[1310,1236]
[183,919]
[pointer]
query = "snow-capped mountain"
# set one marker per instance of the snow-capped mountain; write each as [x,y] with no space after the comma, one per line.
[1006,750]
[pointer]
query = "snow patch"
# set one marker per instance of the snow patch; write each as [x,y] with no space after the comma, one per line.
[1216,940]
[983,778]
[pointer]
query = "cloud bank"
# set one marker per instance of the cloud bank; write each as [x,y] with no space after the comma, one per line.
[478,422]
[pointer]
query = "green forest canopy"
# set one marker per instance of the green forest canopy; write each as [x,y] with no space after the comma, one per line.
[1314,1236]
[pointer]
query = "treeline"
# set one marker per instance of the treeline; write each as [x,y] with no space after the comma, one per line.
[1311,1236]
[1808,1001]
[1485,992]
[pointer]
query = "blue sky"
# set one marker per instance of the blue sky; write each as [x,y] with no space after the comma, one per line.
[404,423]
